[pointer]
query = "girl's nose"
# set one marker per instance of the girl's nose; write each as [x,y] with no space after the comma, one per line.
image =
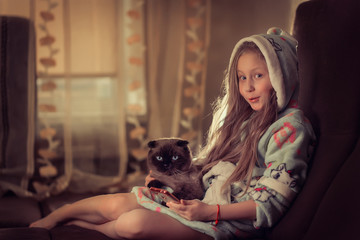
[249,85]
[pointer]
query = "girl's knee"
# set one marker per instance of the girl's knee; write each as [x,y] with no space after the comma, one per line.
[132,224]
[113,205]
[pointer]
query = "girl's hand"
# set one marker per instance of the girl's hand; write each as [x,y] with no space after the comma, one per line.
[194,210]
[148,179]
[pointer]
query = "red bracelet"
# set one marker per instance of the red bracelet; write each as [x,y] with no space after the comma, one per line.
[217,214]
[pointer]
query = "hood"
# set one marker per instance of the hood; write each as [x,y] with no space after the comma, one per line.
[279,50]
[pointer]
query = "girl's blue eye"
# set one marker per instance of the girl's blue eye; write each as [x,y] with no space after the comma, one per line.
[242,78]
[258,75]
[175,158]
[159,158]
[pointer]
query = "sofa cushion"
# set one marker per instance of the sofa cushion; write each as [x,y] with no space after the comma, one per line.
[25,233]
[74,232]
[18,212]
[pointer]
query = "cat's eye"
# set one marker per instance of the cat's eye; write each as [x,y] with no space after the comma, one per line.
[175,158]
[159,158]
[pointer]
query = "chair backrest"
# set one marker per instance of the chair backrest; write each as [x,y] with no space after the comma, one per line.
[329,64]
[17,103]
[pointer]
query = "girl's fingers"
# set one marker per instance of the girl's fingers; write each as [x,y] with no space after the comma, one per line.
[189,202]
[183,206]
[148,179]
[174,205]
[185,202]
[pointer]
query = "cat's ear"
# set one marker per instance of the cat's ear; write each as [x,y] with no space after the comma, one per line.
[182,143]
[152,144]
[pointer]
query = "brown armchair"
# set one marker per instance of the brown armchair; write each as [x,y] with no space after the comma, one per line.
[328,51]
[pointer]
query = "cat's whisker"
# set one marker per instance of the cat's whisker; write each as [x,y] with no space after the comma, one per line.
[178,172]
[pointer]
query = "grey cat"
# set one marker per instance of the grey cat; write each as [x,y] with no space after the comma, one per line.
[170,160]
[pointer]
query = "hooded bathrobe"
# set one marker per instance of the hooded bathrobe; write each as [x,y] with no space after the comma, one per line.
[283,152]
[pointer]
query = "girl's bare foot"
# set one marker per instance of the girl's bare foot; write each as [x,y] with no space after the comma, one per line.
[43,223]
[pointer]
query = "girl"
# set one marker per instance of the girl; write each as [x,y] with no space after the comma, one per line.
[254,162]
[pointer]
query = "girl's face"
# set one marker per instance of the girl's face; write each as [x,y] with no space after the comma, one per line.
[254,81]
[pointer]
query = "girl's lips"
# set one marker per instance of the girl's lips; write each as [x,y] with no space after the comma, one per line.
[255,99]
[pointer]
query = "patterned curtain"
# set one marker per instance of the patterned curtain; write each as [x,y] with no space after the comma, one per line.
[111,75]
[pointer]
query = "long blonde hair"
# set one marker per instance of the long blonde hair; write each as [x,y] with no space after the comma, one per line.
[236,128]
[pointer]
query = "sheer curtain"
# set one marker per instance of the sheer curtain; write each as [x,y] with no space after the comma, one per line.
[110,76]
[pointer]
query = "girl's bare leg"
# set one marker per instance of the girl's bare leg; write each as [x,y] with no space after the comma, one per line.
[96,210]
[144,224]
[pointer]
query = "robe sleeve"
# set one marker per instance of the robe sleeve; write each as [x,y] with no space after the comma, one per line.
[289,147]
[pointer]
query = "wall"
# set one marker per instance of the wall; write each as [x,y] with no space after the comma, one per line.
[20,8]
